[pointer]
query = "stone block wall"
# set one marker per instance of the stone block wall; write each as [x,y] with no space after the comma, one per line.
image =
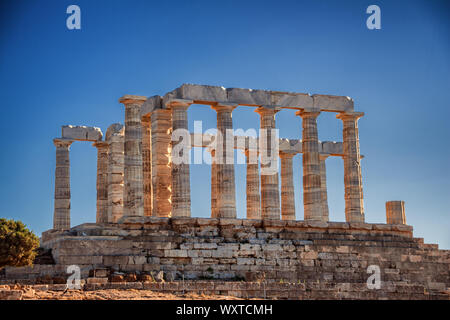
[323,258]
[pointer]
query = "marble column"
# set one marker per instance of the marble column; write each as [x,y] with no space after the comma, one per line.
[133,178]
[354,206]
[161,167]
[253,192]
[213,184]
[323,186]
[270,193]
[147,164]
[181,184]
[287,187]
[102,181]
[395,212]
[226,192]
[61,215]
[115,140]
[312,195]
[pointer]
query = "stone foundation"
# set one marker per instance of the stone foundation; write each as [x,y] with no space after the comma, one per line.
[319,259]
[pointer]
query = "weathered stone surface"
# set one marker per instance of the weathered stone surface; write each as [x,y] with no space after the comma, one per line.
[81,133]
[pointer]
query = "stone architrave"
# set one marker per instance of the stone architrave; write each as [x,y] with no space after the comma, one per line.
[133,177]
[354,205]
[61,216]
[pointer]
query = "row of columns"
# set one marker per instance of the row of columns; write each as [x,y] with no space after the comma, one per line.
[136,177]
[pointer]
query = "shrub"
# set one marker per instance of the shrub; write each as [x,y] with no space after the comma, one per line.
[17,244]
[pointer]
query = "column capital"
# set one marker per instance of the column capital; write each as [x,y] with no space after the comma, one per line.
[349,115]
[264,110]
[62,142]
[224,107]
[287,154]
[323,156]
[131,99]
[178,103]
[308,113]
[100,144]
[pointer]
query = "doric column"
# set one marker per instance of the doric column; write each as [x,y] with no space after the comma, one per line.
[226,192]
[133,178]
[213,183]
[161,169]
[395,212]
[270,193]
[115,139]
[102,181]
[312,199]
[61,216]
[287,187]
[253,192]
[354,206]
[147,164]
[323,186]
[181,184]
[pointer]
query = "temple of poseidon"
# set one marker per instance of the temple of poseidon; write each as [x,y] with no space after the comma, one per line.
[144,225]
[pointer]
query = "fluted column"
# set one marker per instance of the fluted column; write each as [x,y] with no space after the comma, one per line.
[354,206]
[181,184]
[61,215]
[253,192]
[395,212]
[133,178]
[102,181]
[287,187]
[323,186]
[226,192]
[147,164]
[213,183]
[270,193]
[115,139]
[161,168]
[312,198]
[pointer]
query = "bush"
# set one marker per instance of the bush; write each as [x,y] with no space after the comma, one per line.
[17,244]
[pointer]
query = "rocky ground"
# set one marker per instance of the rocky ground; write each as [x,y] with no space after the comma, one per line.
[21,292]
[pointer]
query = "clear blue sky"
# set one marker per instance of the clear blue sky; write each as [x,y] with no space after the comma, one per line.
[399,76]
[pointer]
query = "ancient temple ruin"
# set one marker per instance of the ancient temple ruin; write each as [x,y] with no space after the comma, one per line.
[144,222]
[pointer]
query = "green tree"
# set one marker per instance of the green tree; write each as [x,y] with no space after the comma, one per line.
[17,244]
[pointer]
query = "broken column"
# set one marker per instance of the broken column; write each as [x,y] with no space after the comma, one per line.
[226,194]
[115,139]
[312,199]
[181,184]
[354,206]
[61,216]
[252,188]
[102,181]
[323,186]
[287,186]
[133,178]
[395,212]
[270,194]
[161,168]
[147,164]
